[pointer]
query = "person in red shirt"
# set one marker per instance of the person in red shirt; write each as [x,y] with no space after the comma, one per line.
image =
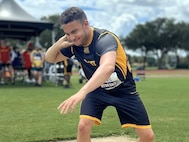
[5,61]
[26,61]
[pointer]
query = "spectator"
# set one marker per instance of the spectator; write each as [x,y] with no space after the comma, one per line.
[5,61]
[16,61]
[68,64]
[82,75]
[26,61]
[37,59]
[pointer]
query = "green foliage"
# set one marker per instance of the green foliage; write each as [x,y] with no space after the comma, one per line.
[159,37]
[30,113]
[46,36]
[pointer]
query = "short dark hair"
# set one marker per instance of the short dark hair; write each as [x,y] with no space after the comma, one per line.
[71,14]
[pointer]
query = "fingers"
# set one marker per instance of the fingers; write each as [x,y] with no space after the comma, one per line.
[73,106]
[66,106]
[64,38]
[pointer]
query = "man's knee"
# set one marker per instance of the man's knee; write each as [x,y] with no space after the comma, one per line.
[150,136]
[145,135]
[85,125]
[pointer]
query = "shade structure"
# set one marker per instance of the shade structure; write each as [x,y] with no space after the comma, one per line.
[16,23]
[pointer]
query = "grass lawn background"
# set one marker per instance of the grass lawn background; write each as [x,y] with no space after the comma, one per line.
[30,113]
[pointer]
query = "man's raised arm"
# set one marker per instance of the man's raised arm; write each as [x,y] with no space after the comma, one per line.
[53,54]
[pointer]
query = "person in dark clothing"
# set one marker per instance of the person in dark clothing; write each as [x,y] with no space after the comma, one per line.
[110,81]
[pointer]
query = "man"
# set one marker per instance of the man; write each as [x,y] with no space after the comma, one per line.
[110,81]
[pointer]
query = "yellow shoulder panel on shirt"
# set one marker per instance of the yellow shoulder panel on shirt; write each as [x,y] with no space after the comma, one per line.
[121,60]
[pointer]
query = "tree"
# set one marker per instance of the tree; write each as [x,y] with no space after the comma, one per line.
[141,38]
[45,37]
[159,36]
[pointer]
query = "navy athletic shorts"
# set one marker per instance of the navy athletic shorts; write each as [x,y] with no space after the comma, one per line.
[129,107]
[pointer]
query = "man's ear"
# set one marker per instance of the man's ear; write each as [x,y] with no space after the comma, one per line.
[86,23]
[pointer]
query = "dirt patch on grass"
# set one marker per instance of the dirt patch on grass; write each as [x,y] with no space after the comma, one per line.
[114,139]
[109,139]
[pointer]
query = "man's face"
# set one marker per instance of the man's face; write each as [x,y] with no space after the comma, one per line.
[77,32]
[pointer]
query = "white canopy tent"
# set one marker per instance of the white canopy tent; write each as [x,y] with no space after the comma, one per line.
[16,23]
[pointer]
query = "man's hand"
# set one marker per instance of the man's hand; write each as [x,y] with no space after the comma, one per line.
[65,42]
[53,54]
[70,103]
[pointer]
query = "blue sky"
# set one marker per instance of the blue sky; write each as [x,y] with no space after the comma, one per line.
[118,16]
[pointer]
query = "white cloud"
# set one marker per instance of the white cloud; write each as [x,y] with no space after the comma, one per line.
[119,16]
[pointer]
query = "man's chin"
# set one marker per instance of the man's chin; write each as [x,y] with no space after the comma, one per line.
[77,44]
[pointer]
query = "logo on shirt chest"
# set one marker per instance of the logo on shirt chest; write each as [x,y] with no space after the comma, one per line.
[90,62]
[86,50]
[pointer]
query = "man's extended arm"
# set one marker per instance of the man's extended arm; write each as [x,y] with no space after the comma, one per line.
[106,68]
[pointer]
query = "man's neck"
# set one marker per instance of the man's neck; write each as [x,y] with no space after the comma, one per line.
[90,37]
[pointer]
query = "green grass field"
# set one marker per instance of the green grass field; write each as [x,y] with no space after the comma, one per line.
[29,114]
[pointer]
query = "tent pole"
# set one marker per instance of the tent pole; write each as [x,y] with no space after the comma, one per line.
[55,64]
[53,37]
[37,43]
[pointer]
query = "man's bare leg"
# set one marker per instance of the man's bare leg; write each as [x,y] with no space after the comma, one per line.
[145,135]
[84,130]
